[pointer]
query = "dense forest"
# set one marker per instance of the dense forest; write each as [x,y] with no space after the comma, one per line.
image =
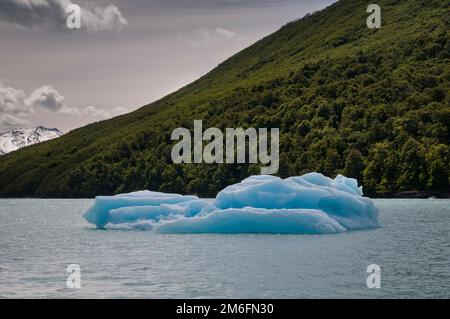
[370,104]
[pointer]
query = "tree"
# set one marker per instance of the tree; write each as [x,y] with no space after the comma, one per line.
[354,165]
[380,174]
[413,169]
[438,167]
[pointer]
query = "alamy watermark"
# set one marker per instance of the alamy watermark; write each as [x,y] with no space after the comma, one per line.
[251,145]
[374,19]
[73,281]
[73,20]
[374,279]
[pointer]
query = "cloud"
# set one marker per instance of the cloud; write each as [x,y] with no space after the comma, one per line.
[48,98]
[119,110]
[205,37]
[103,19]
[103,114]
[225,33]
[8,122]
[52,15]
[98,113]
[16,102]
[13,101]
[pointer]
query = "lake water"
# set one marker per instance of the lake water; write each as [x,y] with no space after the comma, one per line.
[40,238]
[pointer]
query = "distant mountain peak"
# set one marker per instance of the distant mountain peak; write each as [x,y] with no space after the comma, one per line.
[21,137]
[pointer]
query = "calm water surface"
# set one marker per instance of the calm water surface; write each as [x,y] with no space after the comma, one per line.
[40,238]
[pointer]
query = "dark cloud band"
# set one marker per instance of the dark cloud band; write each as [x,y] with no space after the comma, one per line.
[51,15]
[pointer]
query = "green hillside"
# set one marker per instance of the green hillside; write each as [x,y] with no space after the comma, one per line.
[372,104]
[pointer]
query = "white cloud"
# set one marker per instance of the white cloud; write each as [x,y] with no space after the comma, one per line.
[48,98]
[98,113]
[13,101]
[202,38]
[16,102]
[225,33]
[52,15]
[119,110]
[69,111]
[205,37]
[103,19]
[103,114]
[8,122]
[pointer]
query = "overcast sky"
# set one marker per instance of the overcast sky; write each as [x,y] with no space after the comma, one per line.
[127,54]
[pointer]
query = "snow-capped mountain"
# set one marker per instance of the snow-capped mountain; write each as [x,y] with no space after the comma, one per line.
[18,138]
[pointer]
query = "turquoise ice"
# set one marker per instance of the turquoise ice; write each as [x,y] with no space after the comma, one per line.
[308,204]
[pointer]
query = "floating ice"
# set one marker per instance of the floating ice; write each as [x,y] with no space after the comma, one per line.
[308,204]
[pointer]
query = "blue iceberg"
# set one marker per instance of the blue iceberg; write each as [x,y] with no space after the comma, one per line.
[308,204]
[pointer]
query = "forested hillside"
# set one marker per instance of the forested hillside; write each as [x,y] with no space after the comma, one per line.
[371,104]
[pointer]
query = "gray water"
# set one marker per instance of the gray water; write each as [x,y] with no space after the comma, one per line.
[40,238]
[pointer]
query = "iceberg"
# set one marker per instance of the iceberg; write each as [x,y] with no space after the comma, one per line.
[308,204]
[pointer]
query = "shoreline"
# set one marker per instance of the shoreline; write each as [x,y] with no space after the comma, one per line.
[399,195]
[413,195]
